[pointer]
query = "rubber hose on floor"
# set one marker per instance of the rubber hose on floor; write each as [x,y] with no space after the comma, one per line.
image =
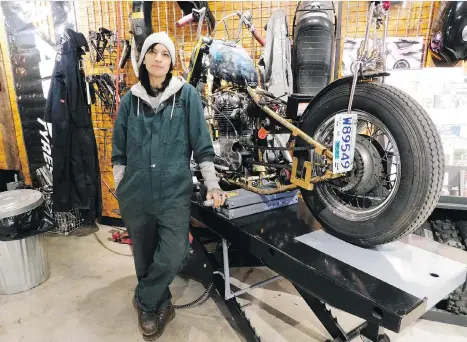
[193,303]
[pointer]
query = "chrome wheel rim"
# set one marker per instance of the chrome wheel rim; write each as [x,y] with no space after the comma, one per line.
[357,206]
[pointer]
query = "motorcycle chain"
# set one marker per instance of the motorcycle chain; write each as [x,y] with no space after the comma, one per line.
[266,148]
[278,166]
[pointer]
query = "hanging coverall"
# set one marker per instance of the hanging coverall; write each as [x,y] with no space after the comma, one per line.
[76,173]
[153,146]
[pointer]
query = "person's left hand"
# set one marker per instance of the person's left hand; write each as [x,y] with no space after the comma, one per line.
[218,196]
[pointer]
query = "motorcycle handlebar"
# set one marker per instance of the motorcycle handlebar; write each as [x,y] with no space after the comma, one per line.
[185,20]
[189,18]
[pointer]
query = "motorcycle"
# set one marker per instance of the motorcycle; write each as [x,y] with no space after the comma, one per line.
[366,157]
[449,37]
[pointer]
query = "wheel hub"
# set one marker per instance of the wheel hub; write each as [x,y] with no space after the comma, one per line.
[368,168]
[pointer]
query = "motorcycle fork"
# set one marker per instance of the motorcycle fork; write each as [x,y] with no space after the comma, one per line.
[195,60]
[212,128]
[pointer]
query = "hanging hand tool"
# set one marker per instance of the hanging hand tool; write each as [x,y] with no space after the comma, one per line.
[100,41]
[125,54]
[95,39]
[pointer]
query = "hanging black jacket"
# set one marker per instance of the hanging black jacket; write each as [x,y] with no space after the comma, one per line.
[76,178]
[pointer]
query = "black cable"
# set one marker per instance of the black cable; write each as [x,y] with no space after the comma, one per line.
[271,95]
[193,303]
[278,97]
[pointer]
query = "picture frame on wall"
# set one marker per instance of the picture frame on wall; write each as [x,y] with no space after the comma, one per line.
[401,53]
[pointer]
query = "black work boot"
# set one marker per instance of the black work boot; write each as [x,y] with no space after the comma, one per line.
[148,323]
[164,316]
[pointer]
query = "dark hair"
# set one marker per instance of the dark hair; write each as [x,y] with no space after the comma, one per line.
[144,77]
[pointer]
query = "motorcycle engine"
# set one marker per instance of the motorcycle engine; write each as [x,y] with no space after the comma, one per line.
[233,118]
[236,117]
[232,123]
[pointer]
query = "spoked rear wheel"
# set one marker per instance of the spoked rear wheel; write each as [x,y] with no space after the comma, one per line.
[373,183]
[398,165]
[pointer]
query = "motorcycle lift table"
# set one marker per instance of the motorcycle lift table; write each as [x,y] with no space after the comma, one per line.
[390,286]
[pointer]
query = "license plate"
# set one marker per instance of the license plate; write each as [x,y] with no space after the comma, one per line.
[345,133]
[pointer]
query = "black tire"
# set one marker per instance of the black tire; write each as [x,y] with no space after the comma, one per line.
[461,227]
[421,159]
[422,230]
[445,232]
[457,302]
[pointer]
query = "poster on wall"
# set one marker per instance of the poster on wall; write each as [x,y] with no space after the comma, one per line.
[401,52]
[33,30]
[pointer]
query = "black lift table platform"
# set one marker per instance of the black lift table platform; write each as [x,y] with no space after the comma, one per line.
[390,286]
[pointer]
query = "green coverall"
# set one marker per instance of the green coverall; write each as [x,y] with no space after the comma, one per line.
[154,194]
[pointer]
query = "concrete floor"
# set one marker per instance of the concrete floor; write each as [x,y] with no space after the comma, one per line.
[88,298]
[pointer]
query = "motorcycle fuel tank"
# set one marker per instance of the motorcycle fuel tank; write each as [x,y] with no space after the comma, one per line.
[231,62]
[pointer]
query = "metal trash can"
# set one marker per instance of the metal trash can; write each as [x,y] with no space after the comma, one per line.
[23,257]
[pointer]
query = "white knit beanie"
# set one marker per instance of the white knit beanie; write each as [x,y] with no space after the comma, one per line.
[158,38]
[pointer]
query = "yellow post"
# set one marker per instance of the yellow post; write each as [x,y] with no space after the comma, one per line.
[14,105]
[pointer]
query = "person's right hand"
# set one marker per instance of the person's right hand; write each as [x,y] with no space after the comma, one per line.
[218,196]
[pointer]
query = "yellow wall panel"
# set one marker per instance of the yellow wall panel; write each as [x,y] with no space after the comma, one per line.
[23,158]
[9,157]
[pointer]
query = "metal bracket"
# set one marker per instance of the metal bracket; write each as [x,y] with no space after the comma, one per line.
[226,275]
[304,183]
[308,182]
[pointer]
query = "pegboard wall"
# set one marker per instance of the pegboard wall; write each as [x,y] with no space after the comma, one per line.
[406,19]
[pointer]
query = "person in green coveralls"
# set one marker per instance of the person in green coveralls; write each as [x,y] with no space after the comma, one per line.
[159,126]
